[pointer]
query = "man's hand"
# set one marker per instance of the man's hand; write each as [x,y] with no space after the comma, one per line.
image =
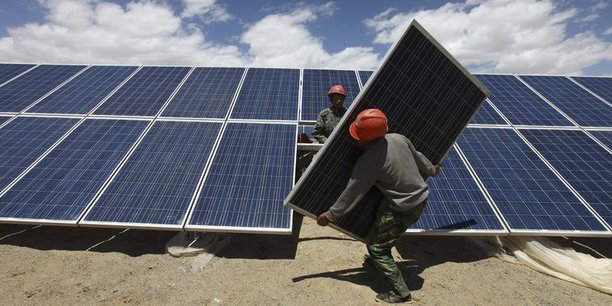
[322,220]
[436,169]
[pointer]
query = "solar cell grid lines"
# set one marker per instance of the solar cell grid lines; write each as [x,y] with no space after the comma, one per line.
[601,86]
[25,139]
[145,93]
[487,115]
[80,95]
[268,94]
[156,184]
[519,103]
[25,90]
[4,119]
[207,93]
[365,75]
[9,71]
[604,136]
[581,106]
[531,198]
[585,164]
[59,187]
[316,83]
[251,173]
[456,202]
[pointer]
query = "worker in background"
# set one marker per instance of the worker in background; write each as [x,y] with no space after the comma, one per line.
[329,117]
[391,163]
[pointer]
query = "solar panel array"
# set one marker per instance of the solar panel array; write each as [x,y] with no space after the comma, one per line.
[213,149]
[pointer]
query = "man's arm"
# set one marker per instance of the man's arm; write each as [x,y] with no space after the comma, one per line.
[423,163]
[319,130]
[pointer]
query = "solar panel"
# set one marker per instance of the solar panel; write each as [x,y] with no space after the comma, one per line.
[81,94]
[456,203]
[268,94]
[207,93]
[487,115]
[306,129]
[23,91]
[58,189]
[156,184]
[585,164]
[530,197]
[426,96]
[601,86]
[584,108]
[9,71]
[251,173]
[316,84]
[3,119]
[603,136]
[25,139]
[145,93]
[365,75]
[519,103]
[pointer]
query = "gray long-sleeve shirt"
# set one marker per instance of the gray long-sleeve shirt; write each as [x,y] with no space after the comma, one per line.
[392,164]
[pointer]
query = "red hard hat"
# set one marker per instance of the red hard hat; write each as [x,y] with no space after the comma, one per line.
[370,124]
[337,89]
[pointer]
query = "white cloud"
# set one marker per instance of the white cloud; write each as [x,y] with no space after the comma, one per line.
[283,40]
[525,36]
[207,10]
[93,31]
[608,31]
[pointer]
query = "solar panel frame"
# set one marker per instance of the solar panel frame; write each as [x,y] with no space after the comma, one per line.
[136,163]
[35,85]
[605,137]
[541,181]
[9,72]
[209,225]
[70,210]
[489,114]
[581,106]
[601,87]
[445,213]
[520,104]
[357,222]
[79,90]
[583,162]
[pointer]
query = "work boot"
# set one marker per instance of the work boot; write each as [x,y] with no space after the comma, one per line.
[392,298]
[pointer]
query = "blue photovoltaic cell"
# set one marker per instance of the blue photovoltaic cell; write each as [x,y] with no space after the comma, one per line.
[365,75]
[316,84]
[81,94]
[519,103]
[23,91]
[306,129]
[585,164]
[9,71]
[207,93]
[65,181]
[603,136]
[24,139]
[487,115]
[455,201]
[268,94]
[156,184]
[249,177]
[3,119]
[602,86]
[583,107]
[527,193]
[145,93]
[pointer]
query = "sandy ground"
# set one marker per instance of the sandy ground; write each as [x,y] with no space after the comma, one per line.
[315,266]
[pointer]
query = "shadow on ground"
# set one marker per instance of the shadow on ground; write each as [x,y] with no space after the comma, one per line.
[141,242]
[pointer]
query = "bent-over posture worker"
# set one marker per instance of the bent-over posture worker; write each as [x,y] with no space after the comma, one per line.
[391,163]
[329,117]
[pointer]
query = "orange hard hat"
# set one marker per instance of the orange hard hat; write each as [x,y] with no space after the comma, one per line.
[370,124]
[337,89]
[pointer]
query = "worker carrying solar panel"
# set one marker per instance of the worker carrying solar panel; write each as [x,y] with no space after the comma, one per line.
[329,117]
[391,162]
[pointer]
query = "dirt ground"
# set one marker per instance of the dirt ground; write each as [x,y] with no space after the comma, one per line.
[314,266]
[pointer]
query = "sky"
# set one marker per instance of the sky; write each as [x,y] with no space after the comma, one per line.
[486,36]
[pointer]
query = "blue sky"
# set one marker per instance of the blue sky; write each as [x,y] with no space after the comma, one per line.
[492,36]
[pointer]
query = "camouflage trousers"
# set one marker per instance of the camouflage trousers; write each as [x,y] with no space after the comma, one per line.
[388,227]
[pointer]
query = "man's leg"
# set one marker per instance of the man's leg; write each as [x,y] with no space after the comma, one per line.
[388,227]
